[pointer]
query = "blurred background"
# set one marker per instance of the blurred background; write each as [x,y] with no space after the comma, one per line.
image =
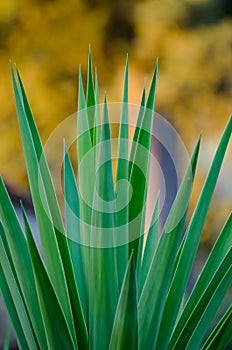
[48,39]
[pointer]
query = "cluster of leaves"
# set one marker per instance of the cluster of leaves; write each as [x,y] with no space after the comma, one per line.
[87,297]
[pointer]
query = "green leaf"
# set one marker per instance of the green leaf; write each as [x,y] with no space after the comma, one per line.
[137,128]
[150,246]
[6,294]
[191,241]
[47,232]
[72,211]
[77,312]
[17,250]
[139,175]
[86,174]
[122,190]
[216,258]
[11,309]
[85,153]
[90,98]
[7,340]
[45,174]
[57,329]
[97,128]
[103,273]
[77,285]
[7,249]
[198,322]
[58,260]
[160,272]
[14,303]
[125,329]
[221,334]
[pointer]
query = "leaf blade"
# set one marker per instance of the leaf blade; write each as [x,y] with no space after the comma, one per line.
[151,246]
[220,250]
[57,330]
[137,178]
[125,329]
[160,272]
[72,209]
[198,322]
[58,261]
[191,240]
[14,302]
[90,99]
[103,295]
[221,334]
[122,183]
[20,261]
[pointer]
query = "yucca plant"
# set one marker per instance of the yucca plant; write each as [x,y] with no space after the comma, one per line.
[90,288]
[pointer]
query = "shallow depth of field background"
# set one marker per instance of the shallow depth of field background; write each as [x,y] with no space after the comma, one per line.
[48,39]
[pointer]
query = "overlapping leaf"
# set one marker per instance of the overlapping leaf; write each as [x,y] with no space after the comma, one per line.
[14,303]
[20,262]
[122,181]
[57,329]
[191,242]
[160,272]
[220,252]
[221,334]
[86,175]
[72,211]
[125,329]
[103,268]
[140,172]
[150,246]
[58,261]
[78,296]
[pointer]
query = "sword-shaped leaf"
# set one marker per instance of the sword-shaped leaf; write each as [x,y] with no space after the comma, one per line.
[140,173]
[97,129]
[191,241]
[58,260]
[14,303]
[199,321]
[122,182]
[57,329]
[86,175]
[125,329]
[150,246]
[216,258]
[103,269]
[72,210]
[90,99]
[137,128]
[160,273]
[221,334]
[19,258]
